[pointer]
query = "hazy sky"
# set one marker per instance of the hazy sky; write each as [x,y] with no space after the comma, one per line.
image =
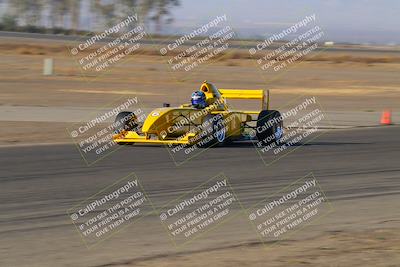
[356,21]
[342,20]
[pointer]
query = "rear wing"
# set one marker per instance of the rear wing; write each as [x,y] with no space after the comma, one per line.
[247,94]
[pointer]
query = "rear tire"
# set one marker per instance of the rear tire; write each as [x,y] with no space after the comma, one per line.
[269,127]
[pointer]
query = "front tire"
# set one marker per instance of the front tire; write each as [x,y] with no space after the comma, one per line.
[214,131]
[125,121]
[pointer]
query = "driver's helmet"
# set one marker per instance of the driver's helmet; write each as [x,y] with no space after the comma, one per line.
[199,100]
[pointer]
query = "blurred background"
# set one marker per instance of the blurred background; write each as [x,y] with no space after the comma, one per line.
[360,21]
[353,74]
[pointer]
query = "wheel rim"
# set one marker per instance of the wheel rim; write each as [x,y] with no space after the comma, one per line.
[278,132]
[220,133]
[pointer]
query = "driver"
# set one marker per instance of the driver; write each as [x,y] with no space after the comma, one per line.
[199,100]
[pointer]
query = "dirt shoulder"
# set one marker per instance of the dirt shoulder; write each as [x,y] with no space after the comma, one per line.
[377,247]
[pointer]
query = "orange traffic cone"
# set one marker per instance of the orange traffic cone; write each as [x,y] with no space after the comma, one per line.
[386,118]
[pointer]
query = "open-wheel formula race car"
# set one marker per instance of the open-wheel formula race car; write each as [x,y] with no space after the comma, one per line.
[215,123]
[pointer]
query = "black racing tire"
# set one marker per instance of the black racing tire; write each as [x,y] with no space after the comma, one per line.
[269,127]
[125,121]
[214,132]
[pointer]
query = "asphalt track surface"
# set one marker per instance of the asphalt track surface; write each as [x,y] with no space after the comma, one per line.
[39,183]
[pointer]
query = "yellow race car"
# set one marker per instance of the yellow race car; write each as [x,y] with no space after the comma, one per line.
[213,123]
